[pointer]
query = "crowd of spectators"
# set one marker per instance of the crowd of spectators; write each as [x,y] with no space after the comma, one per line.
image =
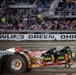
[27,22]
[65,7]
[20,21]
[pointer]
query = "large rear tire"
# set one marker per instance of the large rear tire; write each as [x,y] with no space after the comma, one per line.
[17,64]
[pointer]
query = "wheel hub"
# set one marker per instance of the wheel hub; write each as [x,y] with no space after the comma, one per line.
[16,64]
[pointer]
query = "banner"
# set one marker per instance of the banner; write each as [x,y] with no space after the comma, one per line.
[38,37]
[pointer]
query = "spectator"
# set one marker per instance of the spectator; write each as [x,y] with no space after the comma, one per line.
[39,16]
[39,10]
[36,27]
[12,19]
[70,1]
[3,20]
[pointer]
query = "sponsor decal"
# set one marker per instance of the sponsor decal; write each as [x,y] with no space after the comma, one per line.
[2,53]
[47,58]
[61,57]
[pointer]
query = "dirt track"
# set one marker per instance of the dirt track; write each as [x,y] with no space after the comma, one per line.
[40,73]
[38,45]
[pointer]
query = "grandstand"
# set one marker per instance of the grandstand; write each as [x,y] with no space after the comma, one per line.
[37,15]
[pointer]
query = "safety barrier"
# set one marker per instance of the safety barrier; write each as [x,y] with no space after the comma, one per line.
[40,31]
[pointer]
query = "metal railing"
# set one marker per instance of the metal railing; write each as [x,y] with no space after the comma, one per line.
[3,7]
[63,14]
[40,31]
[54,5]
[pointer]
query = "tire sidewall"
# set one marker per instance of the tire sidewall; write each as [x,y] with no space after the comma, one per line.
[23,61]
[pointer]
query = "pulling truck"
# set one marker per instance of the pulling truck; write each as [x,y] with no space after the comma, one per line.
[19,60]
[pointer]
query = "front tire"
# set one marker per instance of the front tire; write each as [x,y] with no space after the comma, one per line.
[17,64]
[67,65]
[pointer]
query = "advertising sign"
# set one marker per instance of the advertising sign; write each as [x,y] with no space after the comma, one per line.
[38,37]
